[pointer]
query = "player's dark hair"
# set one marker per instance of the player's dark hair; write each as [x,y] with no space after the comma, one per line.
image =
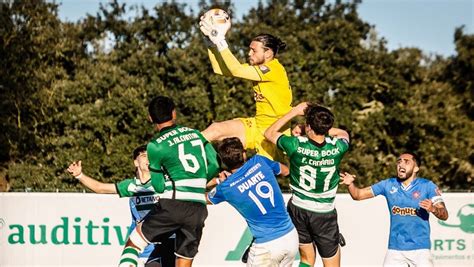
[319,118]
[230,151]
[271,42]
[161,109]
[137,151]
[415,156]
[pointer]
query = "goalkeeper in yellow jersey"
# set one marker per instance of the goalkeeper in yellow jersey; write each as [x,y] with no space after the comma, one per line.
[271,88]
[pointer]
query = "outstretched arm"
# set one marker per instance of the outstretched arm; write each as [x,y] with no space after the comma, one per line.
[356,192]
[273,132]
[75,169]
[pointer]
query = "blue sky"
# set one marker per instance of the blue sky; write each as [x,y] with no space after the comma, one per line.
[426,24]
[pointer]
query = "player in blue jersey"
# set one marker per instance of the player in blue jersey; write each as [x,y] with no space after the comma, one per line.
[142,198]
[252,189]
[410,199]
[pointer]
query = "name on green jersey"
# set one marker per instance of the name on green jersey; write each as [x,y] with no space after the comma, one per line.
[183,138]
[315,153]
[317,163]
[177,139]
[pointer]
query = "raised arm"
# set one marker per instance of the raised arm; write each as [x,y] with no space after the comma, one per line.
[218,66]
[273,132]
[222,60]
[339,133]
[75,169]
[355,192]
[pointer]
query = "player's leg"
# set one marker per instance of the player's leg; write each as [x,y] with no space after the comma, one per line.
[268,149]
[334,261]
[181,261]
[164,252]
[192,216]
[135,244]
[259,256]
[299,217]
[284,249]
[419,257]
[395,258]
[220,130]
[307,254]
[150,256]
[159,225]
[326,236]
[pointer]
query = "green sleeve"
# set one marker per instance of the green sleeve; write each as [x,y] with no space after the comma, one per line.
[287,144]
[343,145]
[123,188]
[212,161]
[158,181]
[157,177]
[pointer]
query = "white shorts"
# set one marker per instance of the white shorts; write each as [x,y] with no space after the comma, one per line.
[280,252]
[417,257]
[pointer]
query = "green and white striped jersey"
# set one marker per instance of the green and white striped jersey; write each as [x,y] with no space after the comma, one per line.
[143,196]
[314,170]
[181,163]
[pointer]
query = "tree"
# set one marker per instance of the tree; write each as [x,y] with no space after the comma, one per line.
[80,90]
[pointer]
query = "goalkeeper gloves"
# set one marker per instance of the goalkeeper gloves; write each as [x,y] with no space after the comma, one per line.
[215,33]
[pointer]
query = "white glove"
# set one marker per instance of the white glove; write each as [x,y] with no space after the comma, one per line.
[215,31]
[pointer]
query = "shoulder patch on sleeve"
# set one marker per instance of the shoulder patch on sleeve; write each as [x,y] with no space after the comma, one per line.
[265,69]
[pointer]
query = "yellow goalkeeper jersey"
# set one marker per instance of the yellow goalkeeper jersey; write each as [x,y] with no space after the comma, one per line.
[272,94]
[272,91]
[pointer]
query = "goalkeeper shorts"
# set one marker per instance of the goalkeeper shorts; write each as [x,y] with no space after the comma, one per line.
[255,139]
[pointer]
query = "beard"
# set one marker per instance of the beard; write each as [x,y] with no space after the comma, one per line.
[404,175]
[256,62]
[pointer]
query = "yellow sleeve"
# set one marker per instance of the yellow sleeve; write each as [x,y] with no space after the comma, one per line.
[238,70]
[217,65]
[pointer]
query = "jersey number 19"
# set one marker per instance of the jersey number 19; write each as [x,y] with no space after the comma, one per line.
[262,195]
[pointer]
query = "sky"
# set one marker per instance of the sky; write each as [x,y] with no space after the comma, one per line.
[426,24]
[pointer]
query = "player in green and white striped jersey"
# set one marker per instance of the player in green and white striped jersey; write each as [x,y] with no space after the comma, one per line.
[142,197]
[181,163]
[314,172]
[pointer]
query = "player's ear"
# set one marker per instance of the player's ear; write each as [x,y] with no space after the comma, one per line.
[173,114]
[268,54]
[135,163]
[416,169]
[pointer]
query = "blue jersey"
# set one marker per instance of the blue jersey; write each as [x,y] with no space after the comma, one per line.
[409,224]
[254,192]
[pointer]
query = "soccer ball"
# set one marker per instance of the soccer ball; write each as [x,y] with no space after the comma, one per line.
[218,18]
